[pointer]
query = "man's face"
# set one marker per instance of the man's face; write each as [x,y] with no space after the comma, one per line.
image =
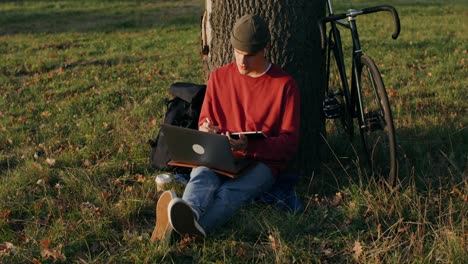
[249,63]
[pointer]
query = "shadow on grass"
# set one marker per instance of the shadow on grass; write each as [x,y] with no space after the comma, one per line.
[7,162]
[68,16]
[68,66]
[432,159]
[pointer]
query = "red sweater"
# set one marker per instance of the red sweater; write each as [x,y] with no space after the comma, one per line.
[269,103]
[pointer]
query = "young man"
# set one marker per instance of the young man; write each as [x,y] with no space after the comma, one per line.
[250,94]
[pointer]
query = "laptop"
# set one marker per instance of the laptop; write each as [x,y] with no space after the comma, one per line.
[192,148]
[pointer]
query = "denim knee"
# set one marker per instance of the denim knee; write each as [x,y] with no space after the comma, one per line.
[198,170]
[201,187]
[201,171]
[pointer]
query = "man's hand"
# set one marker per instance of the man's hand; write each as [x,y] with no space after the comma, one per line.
[208,127]
[238,144]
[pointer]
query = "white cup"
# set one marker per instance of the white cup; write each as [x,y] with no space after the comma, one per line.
[162,181]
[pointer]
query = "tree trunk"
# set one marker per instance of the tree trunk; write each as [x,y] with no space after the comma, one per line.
[295,41]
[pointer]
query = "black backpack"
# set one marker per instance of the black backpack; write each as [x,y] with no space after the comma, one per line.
[182,110]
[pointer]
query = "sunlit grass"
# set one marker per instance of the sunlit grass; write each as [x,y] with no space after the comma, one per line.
[82,90]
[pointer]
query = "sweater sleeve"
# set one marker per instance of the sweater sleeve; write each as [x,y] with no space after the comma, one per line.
[283,146]
[207,108]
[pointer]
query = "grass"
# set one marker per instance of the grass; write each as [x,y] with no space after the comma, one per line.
[82,89]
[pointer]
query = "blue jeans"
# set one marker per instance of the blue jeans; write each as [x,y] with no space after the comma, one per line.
[215,198]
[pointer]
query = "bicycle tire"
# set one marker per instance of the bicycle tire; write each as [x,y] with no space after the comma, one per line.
[377,129]
[336,88]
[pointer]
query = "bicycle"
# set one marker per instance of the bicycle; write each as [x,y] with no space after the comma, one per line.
[365,97]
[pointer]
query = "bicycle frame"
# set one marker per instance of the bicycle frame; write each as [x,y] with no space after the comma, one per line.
[354,93]
[336,48]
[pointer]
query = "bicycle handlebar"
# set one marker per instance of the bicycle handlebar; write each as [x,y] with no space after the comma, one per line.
[354,13]
[391,9]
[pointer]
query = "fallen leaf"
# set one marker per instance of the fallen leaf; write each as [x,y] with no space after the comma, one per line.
[274,242]
[186,240]
[23,237]
[241,252]
[46,114]
[53,254]
[336,199]
[327,252]
[357,249]
[457,192]
[140,178]
[22,119]
[50,161]
[7,248]
[5,214]
[403,229]
[87,163]
[121,149]
[118,182]
[105,195]
[91,207]
[45,243]
[392,93]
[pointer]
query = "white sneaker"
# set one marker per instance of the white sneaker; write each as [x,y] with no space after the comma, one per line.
[183,219]
[163,230]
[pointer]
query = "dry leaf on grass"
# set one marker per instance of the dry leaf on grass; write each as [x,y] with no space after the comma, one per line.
[241,252]
[45,243]
[52,254]
[106,195]
[336,199]
[458,193]
[275,244]
[357,249]
[46,114]
[50,161]
[5,215]
[7,248]
[140,178]
[249,252]
[392,93]
[129,189]
[328,252]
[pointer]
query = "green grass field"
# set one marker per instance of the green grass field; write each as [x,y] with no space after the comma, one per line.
[82,90]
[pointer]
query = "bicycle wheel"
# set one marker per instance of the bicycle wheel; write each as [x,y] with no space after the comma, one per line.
[377,129]
[336,104]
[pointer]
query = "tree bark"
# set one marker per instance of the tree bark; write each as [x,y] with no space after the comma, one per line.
[295,46]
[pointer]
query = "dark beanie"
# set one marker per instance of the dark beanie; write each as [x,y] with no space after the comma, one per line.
[250,34]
